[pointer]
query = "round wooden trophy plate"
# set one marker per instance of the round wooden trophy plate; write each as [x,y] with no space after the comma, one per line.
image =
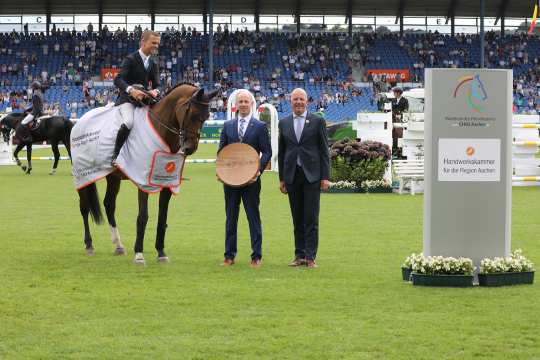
[237,164]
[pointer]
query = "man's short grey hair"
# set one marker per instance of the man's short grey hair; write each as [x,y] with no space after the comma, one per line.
[245,92]
[300,90]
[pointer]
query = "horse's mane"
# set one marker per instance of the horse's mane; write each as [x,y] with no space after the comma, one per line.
[178,85]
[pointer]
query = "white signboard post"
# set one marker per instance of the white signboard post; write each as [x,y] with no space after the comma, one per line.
[468,162]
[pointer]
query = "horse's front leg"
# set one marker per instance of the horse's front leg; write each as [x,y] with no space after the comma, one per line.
[113,187]
[164,198]
[29,158]
[142,220]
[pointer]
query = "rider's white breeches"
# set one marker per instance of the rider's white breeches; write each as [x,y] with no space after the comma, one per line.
[127,111]
[27,119]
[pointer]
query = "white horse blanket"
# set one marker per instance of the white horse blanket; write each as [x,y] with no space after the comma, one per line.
[145,158]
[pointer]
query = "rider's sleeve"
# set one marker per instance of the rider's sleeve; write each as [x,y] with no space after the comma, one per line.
[37,105]
[120,79]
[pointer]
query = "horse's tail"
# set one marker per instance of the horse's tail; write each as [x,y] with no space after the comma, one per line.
[90,200]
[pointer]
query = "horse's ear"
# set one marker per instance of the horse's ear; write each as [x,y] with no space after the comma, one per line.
[198,95]
[212,94]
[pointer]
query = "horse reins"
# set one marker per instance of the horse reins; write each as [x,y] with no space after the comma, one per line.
[181,132]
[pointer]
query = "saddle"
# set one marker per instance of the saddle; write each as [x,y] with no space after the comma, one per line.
[34,125]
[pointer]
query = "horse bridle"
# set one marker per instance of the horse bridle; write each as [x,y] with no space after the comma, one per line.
[181,132]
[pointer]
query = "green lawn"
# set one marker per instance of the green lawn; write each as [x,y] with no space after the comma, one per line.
[205,151]
[56,303]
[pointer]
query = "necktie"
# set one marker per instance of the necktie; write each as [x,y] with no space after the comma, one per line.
[241,129]
[298,127]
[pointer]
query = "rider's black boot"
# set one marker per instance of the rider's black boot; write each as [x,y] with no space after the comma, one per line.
[121,138]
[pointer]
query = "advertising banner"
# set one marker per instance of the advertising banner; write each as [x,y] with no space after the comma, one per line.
[468,163]
[391,74]
[108,74]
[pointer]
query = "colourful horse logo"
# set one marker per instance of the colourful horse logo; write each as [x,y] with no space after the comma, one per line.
[476,92]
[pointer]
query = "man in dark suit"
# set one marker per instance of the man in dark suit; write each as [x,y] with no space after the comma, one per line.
[304,170]
[137,68]
[399,106]
[248,130]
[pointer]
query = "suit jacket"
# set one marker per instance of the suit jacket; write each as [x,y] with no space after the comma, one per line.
[133,72]
[400,106]
[256,135]
[312,149]
[37,103]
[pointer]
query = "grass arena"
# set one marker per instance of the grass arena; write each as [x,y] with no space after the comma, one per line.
[428,141]
[58,303]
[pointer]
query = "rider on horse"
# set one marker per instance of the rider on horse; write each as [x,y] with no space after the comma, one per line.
[34,112]
[137,68]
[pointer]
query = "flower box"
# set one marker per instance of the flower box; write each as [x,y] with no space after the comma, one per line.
[508,278]
[442,280]
[340,191]
[406,273]
[440,271]
[379,190]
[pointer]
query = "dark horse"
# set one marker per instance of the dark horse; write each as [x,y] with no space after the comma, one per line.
[178,118]
[54,129]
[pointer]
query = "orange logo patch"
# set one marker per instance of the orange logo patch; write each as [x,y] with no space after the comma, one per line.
[170,167]
[470,151]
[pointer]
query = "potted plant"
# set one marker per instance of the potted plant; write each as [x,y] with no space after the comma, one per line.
[512,270]
[442,271]
[357,162]
[342,186]
[377,186]
[406,267]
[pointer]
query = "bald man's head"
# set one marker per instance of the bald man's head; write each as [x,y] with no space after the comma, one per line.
[299,101]
[244,102]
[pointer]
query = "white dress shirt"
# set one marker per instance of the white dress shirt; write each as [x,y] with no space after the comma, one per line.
[145,59]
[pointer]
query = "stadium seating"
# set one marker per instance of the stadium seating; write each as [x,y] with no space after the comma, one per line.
[249,57]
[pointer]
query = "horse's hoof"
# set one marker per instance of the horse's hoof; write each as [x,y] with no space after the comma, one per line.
[28,171]
[163,259]
[23,167]
[90,252]
[119,251]
[53,171]
[139,259]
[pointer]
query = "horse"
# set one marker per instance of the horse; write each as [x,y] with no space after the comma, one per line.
[178,118]
[54,129]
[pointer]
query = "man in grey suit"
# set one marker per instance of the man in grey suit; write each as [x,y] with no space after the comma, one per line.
[304,170]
